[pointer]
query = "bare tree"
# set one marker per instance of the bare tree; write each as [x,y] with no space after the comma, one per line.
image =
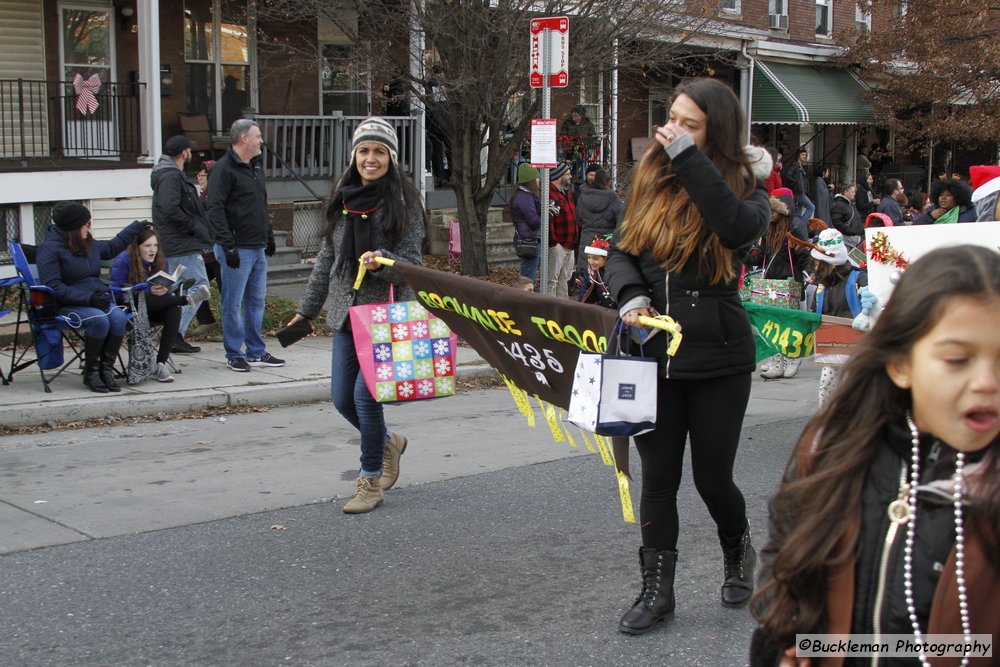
[482,45]
[936,72]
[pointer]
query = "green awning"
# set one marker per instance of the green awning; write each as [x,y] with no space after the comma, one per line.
[784,93]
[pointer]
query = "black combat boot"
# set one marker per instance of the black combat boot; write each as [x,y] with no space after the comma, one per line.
[739,560]
[656,599]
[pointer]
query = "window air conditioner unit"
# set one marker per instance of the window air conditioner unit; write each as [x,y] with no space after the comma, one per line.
[778,22]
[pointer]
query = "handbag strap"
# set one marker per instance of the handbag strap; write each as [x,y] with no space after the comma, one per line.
[619,331]
[791,264]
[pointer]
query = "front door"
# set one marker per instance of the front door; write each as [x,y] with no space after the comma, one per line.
[87,48]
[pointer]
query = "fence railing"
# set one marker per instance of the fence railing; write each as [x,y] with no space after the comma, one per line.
[40,119]
[317,147]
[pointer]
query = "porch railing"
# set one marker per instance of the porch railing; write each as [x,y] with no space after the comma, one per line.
[39,119]
[319,147]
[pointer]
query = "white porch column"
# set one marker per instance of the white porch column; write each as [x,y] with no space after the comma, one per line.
[148,15]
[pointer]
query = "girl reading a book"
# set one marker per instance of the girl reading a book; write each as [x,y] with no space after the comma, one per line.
[136,264]
[887,522]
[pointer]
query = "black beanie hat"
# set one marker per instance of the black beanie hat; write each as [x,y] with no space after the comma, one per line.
[69,215]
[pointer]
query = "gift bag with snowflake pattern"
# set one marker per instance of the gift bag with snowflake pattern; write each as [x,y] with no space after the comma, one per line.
[405,352]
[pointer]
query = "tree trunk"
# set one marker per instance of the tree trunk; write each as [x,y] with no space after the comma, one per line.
[471,213]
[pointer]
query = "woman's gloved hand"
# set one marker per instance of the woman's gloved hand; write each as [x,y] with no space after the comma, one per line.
[100,300]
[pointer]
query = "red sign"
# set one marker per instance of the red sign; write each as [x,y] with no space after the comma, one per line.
[558,40]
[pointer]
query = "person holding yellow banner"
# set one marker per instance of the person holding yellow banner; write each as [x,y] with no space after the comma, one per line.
[374,211]
[698,201]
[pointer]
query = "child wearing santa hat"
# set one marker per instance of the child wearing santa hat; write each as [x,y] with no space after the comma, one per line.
[594,289]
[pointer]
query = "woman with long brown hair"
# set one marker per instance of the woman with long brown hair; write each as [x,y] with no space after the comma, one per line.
[697,202]
[887,522]
[69,261]
[135,265]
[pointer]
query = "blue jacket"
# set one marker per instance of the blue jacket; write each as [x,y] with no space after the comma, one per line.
[120,268]
[75,279]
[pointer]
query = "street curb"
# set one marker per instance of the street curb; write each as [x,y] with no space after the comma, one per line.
[118,405]
[131,404]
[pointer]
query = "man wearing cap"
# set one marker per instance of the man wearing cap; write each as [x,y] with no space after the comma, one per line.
[563,231]
[181,224]
[241,229]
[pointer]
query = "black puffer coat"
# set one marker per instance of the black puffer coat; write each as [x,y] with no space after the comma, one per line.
[717,337]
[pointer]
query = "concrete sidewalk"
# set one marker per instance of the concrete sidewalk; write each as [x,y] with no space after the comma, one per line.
[204,381]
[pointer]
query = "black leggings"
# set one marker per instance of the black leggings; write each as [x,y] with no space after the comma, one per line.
[165,310]
[710,411]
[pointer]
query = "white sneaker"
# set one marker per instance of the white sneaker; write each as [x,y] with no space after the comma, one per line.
[162,373]
[197,295]
[791,367]
[776,368]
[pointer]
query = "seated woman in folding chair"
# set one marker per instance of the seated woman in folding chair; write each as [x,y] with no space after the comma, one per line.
[135,265]
[69,261]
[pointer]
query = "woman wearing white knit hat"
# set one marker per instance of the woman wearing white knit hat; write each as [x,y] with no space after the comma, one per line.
[374,211]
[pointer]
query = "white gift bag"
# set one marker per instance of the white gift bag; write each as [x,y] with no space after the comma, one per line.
[627,405]
[614,395]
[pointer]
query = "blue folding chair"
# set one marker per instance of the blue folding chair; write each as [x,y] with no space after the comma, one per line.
[7,287]
[49,330]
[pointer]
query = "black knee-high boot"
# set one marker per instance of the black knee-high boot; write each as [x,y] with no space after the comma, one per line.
[109,355]
[92,365]
[739,558]
[656,599]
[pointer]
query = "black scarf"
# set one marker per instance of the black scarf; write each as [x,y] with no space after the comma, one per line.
[358,203]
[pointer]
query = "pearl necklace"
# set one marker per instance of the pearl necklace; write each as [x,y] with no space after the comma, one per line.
[958,489]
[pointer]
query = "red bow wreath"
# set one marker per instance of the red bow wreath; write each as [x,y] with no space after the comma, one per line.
[86,89]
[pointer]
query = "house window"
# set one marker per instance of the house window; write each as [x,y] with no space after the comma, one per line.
[87,42]
[730,6]
[824,18]
[346,80]
[217,49]
[777,15]
[10,224]
[862,19]
[591,87]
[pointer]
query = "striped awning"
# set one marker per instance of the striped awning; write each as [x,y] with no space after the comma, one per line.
[793,94]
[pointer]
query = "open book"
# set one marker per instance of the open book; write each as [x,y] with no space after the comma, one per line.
[168,280]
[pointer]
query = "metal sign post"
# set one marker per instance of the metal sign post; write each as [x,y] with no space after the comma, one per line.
[548,71]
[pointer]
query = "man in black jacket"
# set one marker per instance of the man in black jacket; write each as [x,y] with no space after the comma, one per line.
[241,229]
[181,226]
[794,178]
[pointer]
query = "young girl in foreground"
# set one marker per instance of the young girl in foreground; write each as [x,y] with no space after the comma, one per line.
[851,549]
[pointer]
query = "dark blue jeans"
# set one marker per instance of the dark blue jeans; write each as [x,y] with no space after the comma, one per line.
[354,402]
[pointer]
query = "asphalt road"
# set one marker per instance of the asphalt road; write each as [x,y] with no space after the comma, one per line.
[525,563]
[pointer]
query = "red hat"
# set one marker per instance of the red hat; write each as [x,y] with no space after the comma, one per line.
[599,246]
[983,174]
[782,192]
[886,220]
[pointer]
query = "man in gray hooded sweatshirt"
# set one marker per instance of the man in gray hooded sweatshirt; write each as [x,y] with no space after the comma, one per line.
[181,224]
